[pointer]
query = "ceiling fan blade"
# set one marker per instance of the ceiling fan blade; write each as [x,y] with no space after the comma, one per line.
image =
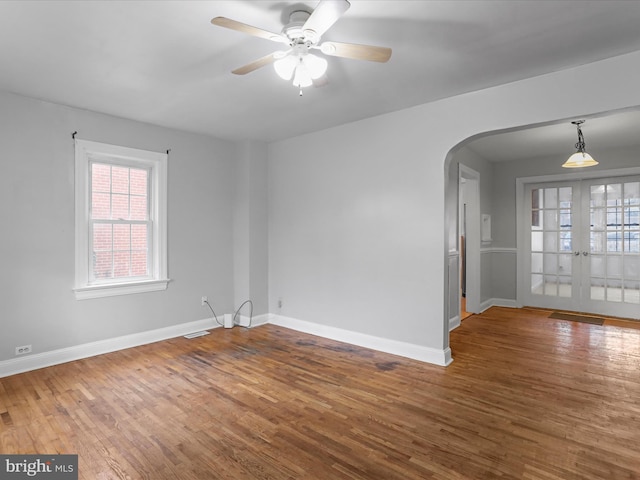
[261,62]
[325,14]
[356,52]
[248,29]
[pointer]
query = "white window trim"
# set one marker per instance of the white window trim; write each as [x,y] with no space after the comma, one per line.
[86,151]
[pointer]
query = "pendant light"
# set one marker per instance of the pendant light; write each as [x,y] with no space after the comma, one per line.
[581,158]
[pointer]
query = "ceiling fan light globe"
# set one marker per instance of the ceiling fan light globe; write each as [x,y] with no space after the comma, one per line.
[285,67]
[580,160]
[317,66]
[302,78]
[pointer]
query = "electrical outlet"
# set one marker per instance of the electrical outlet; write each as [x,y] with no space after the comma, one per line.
[203,301]
[279,303]
[23,349]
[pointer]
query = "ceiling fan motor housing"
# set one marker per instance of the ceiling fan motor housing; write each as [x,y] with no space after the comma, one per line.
[294,29]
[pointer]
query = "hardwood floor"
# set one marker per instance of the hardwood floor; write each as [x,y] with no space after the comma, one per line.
[526,397]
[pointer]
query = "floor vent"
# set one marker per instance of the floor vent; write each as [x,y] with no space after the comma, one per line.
[197,334]
[577,318]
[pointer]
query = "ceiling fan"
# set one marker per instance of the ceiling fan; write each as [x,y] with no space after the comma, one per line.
[302,36]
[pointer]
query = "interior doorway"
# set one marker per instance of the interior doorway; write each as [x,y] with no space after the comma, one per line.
[469,241]
[582,245]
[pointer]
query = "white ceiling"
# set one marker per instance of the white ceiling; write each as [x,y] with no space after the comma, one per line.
[163,62]
[601,133]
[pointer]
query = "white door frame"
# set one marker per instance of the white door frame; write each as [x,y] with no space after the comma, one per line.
[471,180]
[521,215]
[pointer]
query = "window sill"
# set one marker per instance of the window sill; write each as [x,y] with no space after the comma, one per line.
[111,290]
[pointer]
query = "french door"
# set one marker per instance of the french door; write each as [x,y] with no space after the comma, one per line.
[583,246]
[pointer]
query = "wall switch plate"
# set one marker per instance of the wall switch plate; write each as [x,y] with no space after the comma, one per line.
[23,349]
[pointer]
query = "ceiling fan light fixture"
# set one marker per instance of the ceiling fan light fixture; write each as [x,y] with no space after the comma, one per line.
[317,66]
[302,68]
[285,67]
[581,158]
[302,77]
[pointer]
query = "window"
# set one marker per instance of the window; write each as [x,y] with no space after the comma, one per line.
[120,220]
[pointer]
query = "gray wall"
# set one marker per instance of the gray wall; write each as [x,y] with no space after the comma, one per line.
[505,174]
[38,305]
[498,188]
[355,215]
[250,228]
[358,237]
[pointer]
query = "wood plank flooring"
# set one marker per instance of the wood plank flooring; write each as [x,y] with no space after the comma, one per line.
[527,397]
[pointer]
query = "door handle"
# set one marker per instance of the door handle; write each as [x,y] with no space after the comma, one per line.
[576,253]
[585,253]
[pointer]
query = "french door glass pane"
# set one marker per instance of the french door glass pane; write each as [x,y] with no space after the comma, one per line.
[551,240]
[615,242]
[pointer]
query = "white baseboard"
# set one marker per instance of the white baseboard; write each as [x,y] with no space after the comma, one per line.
[77,352]
[55,357]
[255,321]
[454,322]
[403,349]
[498,302]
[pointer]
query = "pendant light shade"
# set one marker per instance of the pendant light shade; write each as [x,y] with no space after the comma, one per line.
[581,158]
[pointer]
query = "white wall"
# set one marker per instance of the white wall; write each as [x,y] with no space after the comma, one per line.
[250,228]
[356,213]
[38,306]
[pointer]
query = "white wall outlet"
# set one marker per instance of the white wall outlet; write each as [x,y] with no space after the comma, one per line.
[203,301]
[23,349]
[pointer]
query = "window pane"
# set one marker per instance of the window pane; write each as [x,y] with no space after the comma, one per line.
[102,237]
[598,218]
[631,217]
[121,237]
[100,178]
[120,180]
[139,263]
[632,193]
[120,207]
[614,266]
[565,219]
[139,237]
[565,286]
[536,241]
[564,264]
[550,263]
[138,179]
[550,242]
[537,284]
[100,206]
[138,208]
[102,265]
[121,264]
[597,242]
[551,219]
[536,263]
[550,198]
[614,194]
[597,196]
[597,265]
[565,197]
